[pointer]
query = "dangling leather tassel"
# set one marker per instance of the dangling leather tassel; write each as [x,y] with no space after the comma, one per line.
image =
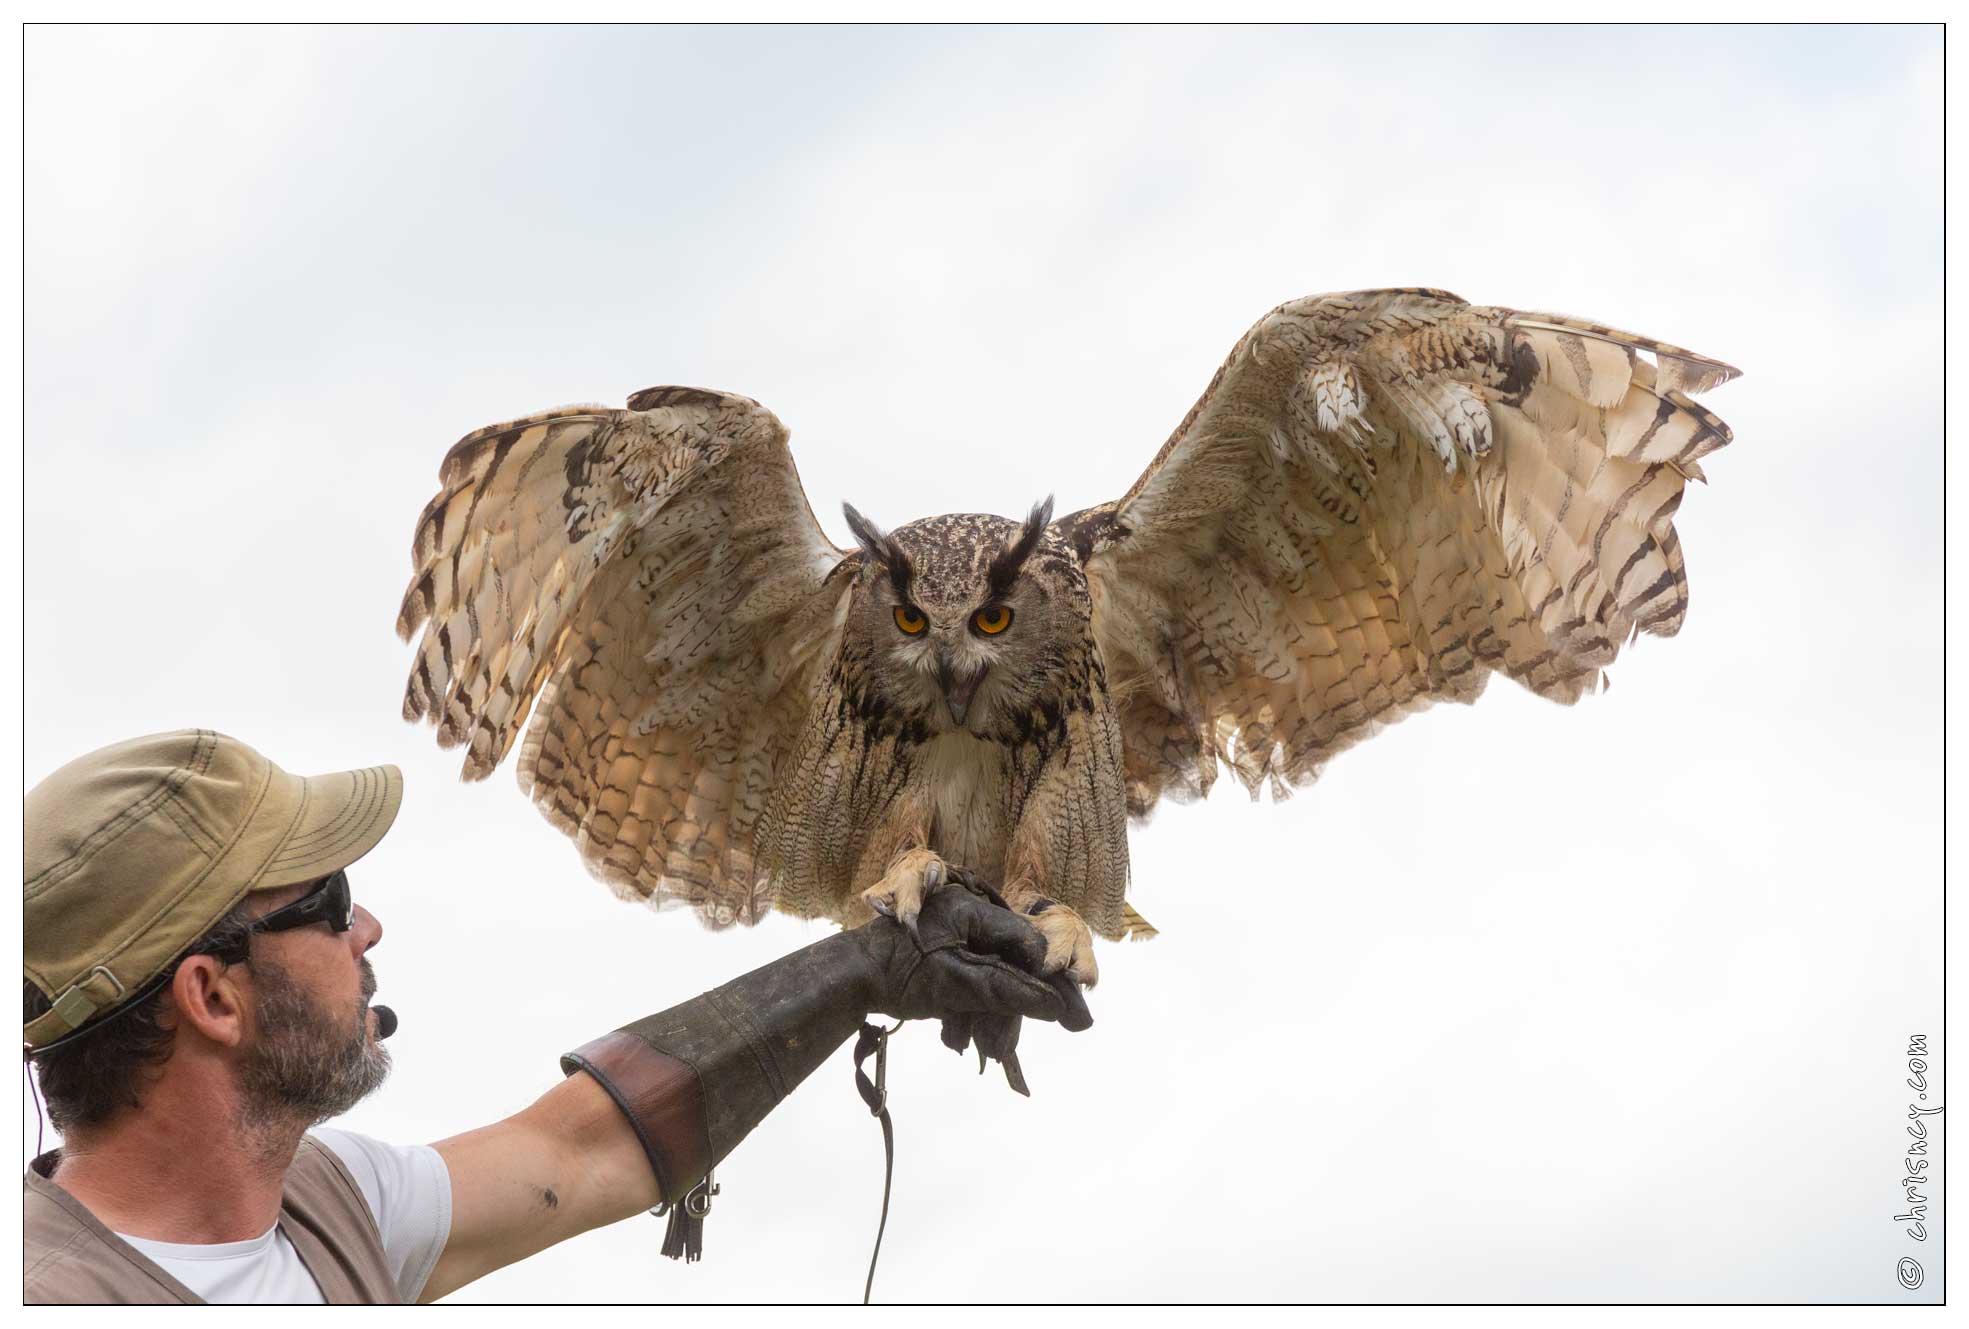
[683,1239]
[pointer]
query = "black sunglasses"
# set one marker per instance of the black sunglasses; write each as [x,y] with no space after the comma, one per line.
[329,902]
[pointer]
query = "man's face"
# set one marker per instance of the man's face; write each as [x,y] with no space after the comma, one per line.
[314,1052]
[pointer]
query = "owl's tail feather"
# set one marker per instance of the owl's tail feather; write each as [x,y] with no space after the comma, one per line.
[1134,927]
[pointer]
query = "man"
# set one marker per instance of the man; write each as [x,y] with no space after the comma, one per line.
[197,997]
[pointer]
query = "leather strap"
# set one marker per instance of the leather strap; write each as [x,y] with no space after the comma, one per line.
[875,1093]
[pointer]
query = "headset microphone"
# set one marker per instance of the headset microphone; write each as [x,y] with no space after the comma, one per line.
[386,1021]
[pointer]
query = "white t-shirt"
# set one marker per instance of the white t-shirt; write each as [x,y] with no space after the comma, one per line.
[408,1189]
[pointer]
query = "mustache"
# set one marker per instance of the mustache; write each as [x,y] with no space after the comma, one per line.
[368,982]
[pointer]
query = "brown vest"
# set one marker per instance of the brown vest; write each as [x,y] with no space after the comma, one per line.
[71,1258]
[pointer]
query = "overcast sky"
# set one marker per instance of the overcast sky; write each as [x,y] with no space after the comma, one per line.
[1517,1003]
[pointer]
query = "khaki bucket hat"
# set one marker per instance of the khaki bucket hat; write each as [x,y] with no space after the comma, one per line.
[135,851]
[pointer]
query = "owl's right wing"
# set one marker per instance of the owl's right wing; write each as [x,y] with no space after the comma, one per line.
[651,584]
[1382,498]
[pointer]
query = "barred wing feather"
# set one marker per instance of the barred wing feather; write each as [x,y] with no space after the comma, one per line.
[651,587]
[1381,498]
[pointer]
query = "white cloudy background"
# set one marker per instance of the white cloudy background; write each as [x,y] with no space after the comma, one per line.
[1519,1002]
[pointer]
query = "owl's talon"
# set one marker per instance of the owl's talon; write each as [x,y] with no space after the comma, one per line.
[1069,943]
[903,888]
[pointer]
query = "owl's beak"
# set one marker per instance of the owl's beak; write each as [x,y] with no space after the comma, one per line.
[958,691]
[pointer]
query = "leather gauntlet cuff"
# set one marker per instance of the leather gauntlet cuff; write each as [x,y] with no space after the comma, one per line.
[662,1099]
[695,1079]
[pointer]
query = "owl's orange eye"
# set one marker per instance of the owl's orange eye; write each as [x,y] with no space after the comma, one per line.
[993,620]
[910,619]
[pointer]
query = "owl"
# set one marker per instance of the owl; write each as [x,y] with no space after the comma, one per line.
[1381,499]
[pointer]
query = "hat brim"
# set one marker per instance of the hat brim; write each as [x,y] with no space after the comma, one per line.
[343,816]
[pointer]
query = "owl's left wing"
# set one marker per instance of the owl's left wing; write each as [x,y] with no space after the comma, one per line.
[651,584]
[1382,497]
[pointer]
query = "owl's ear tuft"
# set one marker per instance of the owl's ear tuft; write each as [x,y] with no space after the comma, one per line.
[867,535]
[1005,568]
[880,548]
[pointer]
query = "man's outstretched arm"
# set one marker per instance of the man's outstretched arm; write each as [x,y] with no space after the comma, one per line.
[661,1101]
[568,1163]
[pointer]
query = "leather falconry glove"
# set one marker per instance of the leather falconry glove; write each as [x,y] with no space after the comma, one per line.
[695,1079]
[996,1036]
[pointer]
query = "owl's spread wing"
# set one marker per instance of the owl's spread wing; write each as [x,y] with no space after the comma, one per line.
[652,585]
[1382,497]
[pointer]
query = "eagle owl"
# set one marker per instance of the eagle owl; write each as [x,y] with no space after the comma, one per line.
[1381,498]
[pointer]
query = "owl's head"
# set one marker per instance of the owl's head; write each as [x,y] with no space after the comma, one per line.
[968,621]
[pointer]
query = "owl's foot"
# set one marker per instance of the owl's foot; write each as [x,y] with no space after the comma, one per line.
[1069,943]
[904,887]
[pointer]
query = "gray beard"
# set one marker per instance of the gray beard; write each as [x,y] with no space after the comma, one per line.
[309,1063]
